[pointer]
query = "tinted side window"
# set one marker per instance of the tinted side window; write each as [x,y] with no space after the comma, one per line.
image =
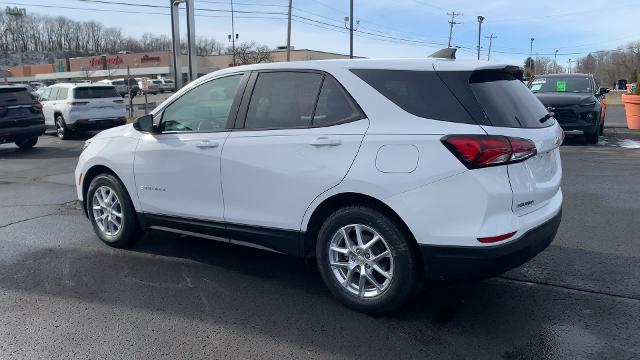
[334,105]
[421,93]
[283,100]
[204,108]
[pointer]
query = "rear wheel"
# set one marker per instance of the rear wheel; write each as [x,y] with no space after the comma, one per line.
[366,260]
[61,128]
[111,212]
[27,143]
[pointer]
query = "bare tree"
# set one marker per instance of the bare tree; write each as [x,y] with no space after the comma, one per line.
[251,53]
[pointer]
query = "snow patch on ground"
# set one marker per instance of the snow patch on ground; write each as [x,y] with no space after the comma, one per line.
[629,144]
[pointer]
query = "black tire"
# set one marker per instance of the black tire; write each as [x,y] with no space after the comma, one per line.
[27,143]
[405,262]
[61,128]
[592,137]
[129,231]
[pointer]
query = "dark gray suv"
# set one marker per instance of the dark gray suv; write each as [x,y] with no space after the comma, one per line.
[21,119]
[576,100]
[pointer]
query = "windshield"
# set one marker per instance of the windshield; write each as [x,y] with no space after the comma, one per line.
[570,84]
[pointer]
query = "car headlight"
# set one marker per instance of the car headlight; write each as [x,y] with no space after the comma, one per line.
[86,144]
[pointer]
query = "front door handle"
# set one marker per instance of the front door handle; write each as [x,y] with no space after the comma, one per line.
[325,141]
[205,144]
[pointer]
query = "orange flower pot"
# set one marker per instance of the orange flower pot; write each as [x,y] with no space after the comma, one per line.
[632,109]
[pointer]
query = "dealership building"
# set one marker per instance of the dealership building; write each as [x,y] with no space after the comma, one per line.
[149,64]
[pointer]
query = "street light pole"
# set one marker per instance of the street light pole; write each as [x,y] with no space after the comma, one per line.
[289,34]
[555,62]
[480,20]
[351,29]
[533,70]
[570,61]
[233,36]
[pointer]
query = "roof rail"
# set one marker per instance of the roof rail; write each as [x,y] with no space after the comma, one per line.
[446,53]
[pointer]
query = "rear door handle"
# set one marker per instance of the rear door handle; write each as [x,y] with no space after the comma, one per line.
[206,144]
[325,141]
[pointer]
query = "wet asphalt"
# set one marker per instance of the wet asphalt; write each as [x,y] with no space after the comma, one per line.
[64,295]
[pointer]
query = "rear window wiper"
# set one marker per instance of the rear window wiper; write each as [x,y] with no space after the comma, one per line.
[546,117]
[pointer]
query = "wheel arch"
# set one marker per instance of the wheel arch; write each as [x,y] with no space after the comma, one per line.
[91,174]
[340,200]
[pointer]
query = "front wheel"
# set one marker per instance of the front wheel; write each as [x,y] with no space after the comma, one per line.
[366,260]
[592,137]
[27,143]
[111,212]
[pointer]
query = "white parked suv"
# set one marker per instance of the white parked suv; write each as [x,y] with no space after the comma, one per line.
[385,171]
[81,107]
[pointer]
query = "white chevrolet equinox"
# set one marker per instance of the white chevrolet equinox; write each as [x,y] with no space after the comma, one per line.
[386,171]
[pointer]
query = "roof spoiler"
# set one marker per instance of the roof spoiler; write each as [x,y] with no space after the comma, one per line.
[446,53]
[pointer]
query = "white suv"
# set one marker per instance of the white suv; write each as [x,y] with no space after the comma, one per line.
[382,170]
[81,107]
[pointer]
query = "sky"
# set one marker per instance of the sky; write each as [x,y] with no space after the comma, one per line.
[386,29]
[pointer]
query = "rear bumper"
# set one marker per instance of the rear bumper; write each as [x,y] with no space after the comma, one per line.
[96,124]
[469,263]
[12,134]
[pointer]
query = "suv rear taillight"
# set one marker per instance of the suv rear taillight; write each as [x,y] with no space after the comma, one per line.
[479,151]
[37,106]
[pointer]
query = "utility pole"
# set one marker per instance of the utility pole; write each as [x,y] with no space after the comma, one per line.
[480,20]
[351,29]
[17,14]
[233,36]
[452,23]
[289,34]
[555,62]
[490,43]
[533,68]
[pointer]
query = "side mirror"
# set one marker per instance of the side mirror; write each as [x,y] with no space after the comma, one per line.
[603,90]
[144,124]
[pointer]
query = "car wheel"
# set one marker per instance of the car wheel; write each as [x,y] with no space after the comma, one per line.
[61,128]
[27,143]
[592,137]
[111,212]
[366,260]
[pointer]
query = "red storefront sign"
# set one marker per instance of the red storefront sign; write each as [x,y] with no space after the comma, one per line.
[114,60]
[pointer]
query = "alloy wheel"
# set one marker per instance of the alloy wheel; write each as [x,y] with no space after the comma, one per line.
[361,260]
[107,211]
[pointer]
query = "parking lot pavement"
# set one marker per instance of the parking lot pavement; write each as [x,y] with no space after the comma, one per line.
[65,295]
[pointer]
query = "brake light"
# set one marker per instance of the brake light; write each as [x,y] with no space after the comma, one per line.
[76,103]
[37,106]
[479,151]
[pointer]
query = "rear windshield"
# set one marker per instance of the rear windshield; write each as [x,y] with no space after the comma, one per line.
[168,81]
[95,92]
[421,93]
[506,101]
[18,95]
